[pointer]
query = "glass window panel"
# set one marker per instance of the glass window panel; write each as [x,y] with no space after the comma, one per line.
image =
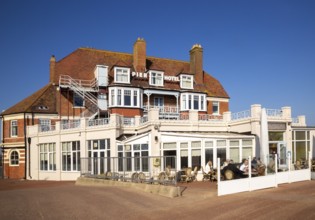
[221,143]
[300,135]
[136,147]
[184,145]
[221,153]
[196,144]
[235,154]
[234,143]
[144,146]
[209,144]
[208,154]
[275,136]
[247,142]
[246,152]
[169,145]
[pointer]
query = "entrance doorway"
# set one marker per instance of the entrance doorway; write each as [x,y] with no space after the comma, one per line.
[280,149]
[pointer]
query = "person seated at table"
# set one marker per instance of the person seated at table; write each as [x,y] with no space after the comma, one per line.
[231,166]
[209,167]
[254,163]
[244,166]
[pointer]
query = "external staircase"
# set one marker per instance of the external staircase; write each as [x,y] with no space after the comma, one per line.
[86,89]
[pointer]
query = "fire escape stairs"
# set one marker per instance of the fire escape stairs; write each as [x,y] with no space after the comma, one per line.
[86,89]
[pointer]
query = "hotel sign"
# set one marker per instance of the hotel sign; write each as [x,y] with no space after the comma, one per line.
[145,76]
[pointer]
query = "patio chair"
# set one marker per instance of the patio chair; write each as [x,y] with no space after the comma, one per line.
[162,177]
[141,177]
[188,176]
[108,175]
[195,173]
[134,177]
[169,174]
[206,176]
[261,170]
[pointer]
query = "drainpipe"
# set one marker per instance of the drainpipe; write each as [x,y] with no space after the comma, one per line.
[2,149]
[25,144]
[29,157]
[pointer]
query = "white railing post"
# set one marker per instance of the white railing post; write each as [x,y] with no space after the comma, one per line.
[219,176]
[250,173]
[276,170]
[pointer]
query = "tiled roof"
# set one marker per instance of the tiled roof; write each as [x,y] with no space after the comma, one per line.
[42,101]
[80,64]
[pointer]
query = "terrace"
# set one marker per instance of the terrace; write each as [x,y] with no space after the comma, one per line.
[170,119]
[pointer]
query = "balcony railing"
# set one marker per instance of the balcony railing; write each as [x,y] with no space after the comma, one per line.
[210,117]
[98,122]
[162,109]
[46,128]
[274,113]
[241,115]
[128,121]
[70,125]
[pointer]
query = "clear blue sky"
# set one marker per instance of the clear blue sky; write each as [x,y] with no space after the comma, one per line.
[262,51]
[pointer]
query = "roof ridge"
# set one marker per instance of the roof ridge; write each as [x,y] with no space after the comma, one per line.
[125,53]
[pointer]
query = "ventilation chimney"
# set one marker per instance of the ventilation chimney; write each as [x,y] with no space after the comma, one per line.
[52,68]
[196,66]
[139,55]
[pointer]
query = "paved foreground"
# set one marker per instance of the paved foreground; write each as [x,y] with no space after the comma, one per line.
[63,200]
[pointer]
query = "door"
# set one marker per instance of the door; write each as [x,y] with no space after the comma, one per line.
[159,102]
[282,154]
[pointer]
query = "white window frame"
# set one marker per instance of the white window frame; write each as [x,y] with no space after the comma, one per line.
[187,101]
[68,150]
[47,152]
[14,128]
[16,160]
[125,73]
[185,80]
[216,103]
[159,76]
[116,92]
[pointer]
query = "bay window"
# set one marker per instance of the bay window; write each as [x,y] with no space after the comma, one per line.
[190,101]
[125,97]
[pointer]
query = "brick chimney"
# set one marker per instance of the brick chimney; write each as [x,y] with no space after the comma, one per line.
[196,66]
[52,69]
[139,55]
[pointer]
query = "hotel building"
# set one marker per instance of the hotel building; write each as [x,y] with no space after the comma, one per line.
[104,104]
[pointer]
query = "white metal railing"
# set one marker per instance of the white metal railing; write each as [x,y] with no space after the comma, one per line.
[98,122]
[210,117]
[183,117]
[128,121]
[67,81]
[162,109]
[82,88]
[46,128]
[70,125]
[144,119]
[295,121]
[241,115]
[275,113]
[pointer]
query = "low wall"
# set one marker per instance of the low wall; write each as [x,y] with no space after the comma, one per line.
[162,190]
[262,182]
